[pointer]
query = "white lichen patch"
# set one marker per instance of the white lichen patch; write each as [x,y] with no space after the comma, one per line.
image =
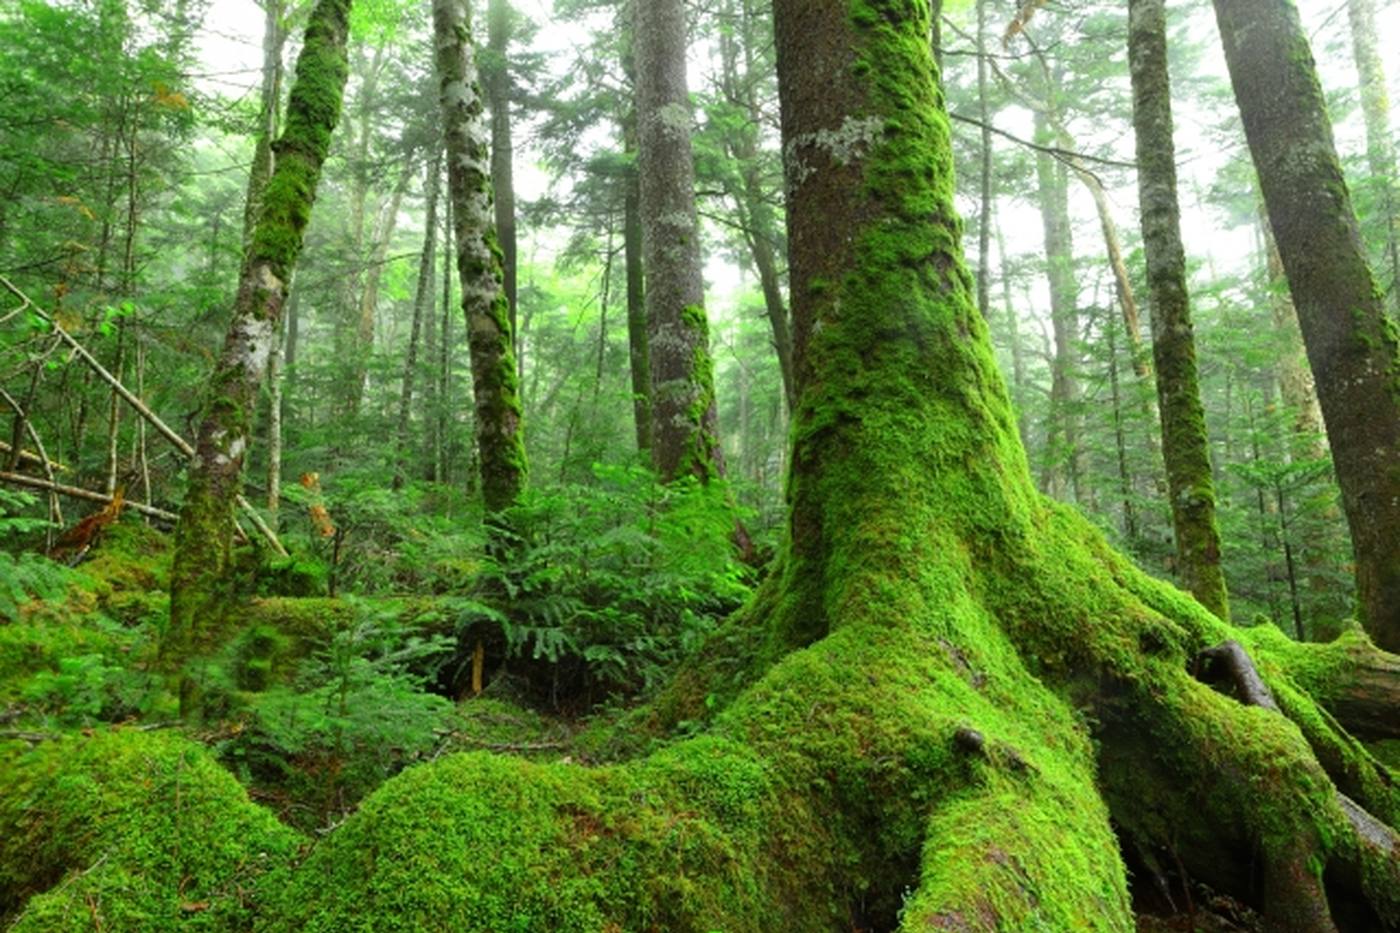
[843,146]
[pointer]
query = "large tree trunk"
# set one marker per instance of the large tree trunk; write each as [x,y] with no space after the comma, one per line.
[1185,445]
[498,92]
[1352,348]
[495,381]
[685,428]
[982,683]
[205,531]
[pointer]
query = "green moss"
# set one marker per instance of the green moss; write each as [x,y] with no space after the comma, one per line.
[132,831]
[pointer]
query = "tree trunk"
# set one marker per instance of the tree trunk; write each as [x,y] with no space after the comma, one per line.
[984,168]
[206,520]
[1185,445]
[369,298]
[1062,441]
[498,93]
[927,762]
[685,429]
[639,351]
[1380,149]
[422,313]
[269,106]
[495,381]
[1351,346]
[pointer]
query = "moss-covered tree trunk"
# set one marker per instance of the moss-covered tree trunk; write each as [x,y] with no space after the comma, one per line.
[929,713]
[205,531]
[1185,445]
[495,381]
[685,428]
[1352,348]
[498,92]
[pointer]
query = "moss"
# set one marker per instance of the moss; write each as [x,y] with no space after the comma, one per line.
[132,831]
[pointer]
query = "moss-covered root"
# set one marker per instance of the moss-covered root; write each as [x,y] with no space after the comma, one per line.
[1238,793]
[997,859]
[132,831]
[806,808]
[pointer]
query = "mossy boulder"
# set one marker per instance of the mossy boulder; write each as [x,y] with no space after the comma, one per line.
[131,831]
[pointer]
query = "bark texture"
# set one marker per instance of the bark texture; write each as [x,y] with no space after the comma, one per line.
[205,530]
[498,92]
[685,429]
[495,381]
[1185,444]
[1352,348]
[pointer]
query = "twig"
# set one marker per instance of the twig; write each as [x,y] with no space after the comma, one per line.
[164,429]
[77,492]
[1068,156]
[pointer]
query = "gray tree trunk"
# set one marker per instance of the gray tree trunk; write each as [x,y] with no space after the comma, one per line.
[685,431]
[1185,444]
[1351,347]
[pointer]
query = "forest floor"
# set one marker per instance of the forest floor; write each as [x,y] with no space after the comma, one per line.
[314,703]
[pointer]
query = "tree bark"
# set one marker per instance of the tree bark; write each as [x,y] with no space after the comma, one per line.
[1185,445]
[498,93]
[1352,349]
[203,536]
[269,107]
[495,380]
[685,429]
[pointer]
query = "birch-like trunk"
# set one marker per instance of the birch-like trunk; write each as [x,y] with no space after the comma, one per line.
[495,381]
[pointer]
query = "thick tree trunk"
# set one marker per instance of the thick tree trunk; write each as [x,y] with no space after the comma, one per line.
[206,520]
[1185,445]
[926,763]
[498,93]
[685,429]
[495,381]
[422,314]
[1380,148]
[1352,348]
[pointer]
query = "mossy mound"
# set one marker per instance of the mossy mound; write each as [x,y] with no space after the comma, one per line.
[132,831]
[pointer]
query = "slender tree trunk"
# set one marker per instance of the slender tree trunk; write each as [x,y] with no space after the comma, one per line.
[206,522]
[1062,453]
[685,429]
[274,38]
[984,222]
[441,466]
[277,366]
[639,352]
[1185,446]
[422,313]
[498,94]
[1295,379]
[369,297]
[1351,346]
[1380,148]
[495,380]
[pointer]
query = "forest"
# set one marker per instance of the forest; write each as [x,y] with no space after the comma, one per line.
[638,465]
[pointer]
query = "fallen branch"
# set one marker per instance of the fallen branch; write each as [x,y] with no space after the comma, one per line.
[77,492]
[155,421]
[30,457]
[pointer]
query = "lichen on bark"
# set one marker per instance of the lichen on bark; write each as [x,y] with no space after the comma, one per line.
[205,531]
